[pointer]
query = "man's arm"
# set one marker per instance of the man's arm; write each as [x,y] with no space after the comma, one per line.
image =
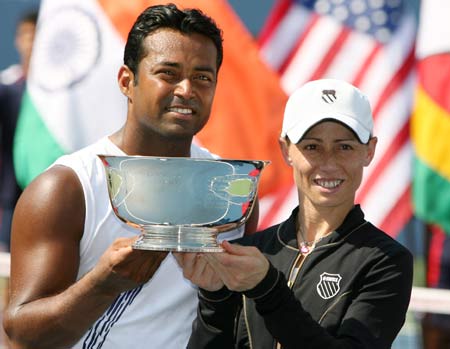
[47,307]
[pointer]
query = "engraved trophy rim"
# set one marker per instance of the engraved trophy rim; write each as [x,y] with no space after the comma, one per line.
[179,203]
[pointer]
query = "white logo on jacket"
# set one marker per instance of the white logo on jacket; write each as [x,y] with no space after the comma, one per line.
[328,285]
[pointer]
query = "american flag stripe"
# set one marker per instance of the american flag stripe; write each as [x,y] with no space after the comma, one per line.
[399,214]
[315,45]
[281,33]
[330,57]
[389,187]
[373,53]
[387,127]
[302,45]
[387,157]
[363,52]
[289,60]
[396,99]
[388,61]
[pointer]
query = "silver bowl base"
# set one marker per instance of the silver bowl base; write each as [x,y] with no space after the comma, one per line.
[178,239]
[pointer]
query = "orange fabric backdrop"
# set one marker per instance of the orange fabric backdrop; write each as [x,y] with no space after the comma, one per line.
[249,103]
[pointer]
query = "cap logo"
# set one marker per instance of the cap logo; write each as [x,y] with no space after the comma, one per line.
[329,96]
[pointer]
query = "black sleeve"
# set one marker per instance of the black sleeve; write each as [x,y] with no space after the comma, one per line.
[216,314]
[372,320]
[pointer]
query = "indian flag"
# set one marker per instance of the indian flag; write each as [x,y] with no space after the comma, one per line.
[431,118]
[73,99]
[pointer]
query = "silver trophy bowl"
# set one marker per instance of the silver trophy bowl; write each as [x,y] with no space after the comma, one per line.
[181,204]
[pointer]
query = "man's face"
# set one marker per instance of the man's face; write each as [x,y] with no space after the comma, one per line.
[173,91]
[24,41]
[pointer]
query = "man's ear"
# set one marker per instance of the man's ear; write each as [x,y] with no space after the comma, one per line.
[284,146]
[125,78]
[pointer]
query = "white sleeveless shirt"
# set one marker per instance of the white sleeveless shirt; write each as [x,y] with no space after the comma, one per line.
[158,314]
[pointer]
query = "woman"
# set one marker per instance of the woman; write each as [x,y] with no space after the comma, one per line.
[326,277]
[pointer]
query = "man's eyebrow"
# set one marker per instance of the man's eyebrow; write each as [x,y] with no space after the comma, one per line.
[203,68]
[170,64]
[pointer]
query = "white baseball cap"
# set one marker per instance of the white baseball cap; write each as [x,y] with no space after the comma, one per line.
[324,99]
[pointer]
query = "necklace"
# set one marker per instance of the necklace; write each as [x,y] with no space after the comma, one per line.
[307,246]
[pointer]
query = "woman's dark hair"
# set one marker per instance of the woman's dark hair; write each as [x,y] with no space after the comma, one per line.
[186,21]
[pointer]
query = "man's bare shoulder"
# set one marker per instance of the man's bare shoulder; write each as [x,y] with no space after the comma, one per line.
[54,198]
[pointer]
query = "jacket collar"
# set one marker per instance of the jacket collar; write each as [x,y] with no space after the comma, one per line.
[355,218]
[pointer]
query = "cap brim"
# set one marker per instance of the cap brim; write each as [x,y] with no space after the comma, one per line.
[297,132]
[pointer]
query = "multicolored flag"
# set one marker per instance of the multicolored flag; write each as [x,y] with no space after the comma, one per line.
[431,117]
[371,45]
[73,97]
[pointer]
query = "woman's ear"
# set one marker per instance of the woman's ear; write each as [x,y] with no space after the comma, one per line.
[284,146]
[371,146]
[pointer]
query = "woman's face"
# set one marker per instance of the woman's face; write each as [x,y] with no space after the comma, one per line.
[328,164]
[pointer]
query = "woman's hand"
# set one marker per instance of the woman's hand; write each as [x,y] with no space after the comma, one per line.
[198,271]
[240,268]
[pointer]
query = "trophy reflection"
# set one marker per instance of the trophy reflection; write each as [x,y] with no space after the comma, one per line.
[181,204]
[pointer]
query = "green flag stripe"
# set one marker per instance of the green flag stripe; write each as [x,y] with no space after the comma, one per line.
[32,157]
[431,201]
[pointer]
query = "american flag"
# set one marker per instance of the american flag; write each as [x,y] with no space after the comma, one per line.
[369,43]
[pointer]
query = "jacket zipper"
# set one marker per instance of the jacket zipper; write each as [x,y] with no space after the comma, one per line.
[299,260]
[295,269]
[246,322]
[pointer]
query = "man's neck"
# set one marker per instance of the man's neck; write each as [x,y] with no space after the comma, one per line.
[152,146]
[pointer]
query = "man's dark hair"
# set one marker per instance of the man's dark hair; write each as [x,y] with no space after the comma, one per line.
[28,17]
[188,21]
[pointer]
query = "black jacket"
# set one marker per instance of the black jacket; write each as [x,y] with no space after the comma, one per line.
[351,291]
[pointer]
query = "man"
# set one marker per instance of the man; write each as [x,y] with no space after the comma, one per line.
[75,279]
[12,85]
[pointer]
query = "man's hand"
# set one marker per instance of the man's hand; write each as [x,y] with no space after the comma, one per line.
[122,268]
